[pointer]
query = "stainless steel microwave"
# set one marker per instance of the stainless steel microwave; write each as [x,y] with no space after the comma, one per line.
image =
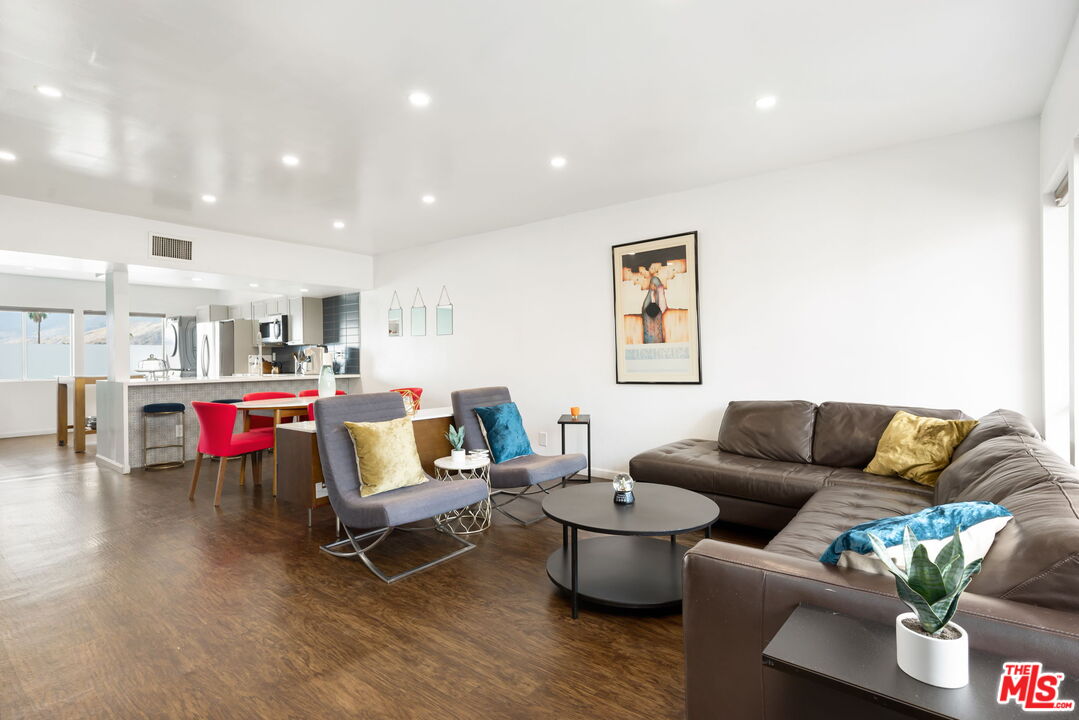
[274,329]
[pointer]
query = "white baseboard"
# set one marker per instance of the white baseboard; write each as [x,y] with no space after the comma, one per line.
[28,433]
[113,465]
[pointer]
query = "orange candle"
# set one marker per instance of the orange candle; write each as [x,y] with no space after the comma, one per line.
[575,412]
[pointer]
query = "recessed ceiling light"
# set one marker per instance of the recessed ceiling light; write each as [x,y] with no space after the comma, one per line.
[290,160]
[211,199]
[766,102]
[8,156]
[253,284]
[29,267]
[304,290]
[196,279]
[428,199]
[49,91]
[558,161]
[419,98]
[339,224]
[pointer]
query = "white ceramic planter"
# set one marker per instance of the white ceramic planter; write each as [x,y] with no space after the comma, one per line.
[942,663]
[459,456]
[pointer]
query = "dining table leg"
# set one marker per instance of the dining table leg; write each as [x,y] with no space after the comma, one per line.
[276,422]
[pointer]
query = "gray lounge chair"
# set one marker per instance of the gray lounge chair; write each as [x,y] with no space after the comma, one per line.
[525,472]
[379,515]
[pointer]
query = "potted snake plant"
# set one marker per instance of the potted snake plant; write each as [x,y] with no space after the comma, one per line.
[929,646]
[456,436]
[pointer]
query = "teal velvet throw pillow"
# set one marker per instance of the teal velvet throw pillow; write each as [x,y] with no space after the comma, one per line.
[505,431]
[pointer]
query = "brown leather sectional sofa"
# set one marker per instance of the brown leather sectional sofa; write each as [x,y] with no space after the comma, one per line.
[796,467]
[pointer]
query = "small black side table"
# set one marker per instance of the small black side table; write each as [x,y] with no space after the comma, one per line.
[857,656]
[582,419]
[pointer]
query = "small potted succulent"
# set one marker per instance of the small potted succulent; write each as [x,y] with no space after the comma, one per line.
[456,436]
[929,647]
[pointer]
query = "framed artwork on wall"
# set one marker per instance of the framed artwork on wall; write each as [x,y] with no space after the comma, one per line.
[657,329]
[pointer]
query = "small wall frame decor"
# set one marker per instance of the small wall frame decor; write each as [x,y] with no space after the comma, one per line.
[444,314]
[418,324]
[395,316]
[657,328]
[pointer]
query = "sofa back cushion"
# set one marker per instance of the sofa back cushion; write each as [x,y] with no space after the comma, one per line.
[996,424]
[1035,559]
[975,464]
[846,434]
[770,430]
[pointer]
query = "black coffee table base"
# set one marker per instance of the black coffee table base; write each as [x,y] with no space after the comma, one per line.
[624,572]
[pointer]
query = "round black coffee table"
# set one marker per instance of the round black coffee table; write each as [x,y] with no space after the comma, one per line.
[627,572]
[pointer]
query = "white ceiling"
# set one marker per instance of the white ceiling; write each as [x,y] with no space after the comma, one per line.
[170,99]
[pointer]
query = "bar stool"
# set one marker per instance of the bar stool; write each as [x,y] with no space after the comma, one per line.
[157,410]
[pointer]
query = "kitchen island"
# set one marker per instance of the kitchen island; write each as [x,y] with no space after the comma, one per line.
[120,403]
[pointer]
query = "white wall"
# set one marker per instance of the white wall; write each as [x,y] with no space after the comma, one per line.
[908,275]
[40,227]
[29,408]
[1060,116]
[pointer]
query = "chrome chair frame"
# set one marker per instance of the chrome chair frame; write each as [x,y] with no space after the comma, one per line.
[383,533]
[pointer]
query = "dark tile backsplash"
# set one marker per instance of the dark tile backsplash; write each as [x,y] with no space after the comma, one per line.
[340,335]
[341,331]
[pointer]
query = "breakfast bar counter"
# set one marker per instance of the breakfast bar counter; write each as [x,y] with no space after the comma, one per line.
[120,403]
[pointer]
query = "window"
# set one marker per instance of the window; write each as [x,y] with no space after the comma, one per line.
[10,345]
[95,351]
[35,343]
[146,338]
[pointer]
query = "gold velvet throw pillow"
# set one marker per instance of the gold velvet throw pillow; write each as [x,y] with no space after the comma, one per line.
[918,448]
[386,455]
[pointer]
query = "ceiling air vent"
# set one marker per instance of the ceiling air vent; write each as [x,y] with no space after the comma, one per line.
[173,248]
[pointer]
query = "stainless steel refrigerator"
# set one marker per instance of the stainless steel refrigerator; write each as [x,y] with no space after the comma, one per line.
[181,345]
[223,347]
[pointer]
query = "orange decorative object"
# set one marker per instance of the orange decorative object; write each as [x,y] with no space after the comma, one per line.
[575,412]
[412,397]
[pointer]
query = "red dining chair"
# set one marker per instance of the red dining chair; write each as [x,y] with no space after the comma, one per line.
[216,422]
[311,408]
[265,422]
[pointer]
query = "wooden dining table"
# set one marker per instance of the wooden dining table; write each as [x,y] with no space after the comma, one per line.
[282,408]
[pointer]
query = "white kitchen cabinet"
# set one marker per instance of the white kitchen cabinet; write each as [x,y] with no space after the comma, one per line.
[239,312]
[210,313]
[258,310]
[304,321]
[282,306]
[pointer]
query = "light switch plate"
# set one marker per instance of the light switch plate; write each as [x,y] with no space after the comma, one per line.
[543,439]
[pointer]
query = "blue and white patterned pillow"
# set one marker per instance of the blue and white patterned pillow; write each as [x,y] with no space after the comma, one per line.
[979,522]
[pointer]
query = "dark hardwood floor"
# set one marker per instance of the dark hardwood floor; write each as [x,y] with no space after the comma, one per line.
[120,598]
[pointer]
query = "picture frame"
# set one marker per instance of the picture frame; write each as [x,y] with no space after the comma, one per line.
[657,311]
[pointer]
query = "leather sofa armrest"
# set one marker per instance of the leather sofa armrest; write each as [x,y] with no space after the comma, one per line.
[736,598]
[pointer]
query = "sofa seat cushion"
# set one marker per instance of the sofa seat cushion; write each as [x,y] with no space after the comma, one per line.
[849,477]
[770,430]
[700,465]
[835,510]
[846,434]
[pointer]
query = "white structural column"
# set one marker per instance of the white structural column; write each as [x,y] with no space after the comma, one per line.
[112,420]
[117,300]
